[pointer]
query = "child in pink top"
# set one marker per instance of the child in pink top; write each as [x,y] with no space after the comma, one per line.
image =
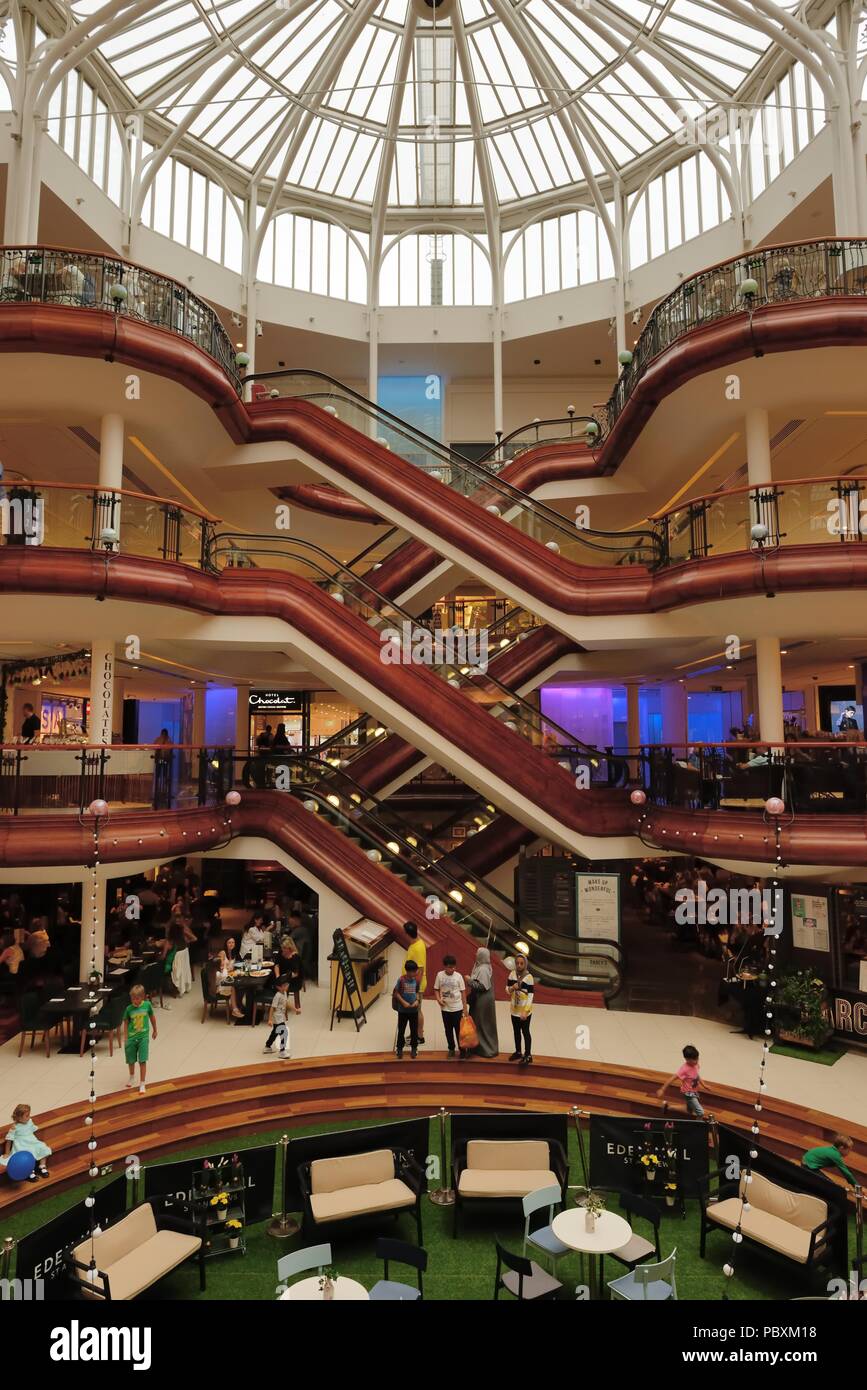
[689,1078]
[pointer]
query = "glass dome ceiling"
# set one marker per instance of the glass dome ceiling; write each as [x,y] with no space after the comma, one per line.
[429,103]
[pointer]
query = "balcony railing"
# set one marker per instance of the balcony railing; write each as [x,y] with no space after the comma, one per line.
[810,511]
[828,268]
[809,270]
[88,280]
[75,517]
[827,776]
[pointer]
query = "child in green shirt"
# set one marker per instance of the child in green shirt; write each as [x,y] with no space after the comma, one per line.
[138,1014]
[831,1156]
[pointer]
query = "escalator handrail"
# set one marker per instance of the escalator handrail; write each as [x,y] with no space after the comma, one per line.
[486,478]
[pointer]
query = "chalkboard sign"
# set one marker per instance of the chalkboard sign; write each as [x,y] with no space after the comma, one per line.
[346,996]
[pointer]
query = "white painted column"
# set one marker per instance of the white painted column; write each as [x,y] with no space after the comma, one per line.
[675,724]
[101,692]
[758,447]
[373,357]
[769,683]
[111,441]
[620,276]
[498,371]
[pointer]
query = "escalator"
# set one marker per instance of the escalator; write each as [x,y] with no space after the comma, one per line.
[470,902]
[460,511]
[461,716]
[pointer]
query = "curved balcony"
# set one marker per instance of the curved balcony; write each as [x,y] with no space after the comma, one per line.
[89,280]
[811,512]
[828,268]
[832,268]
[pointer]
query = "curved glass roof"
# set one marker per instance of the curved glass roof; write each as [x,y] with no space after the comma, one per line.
[395,103]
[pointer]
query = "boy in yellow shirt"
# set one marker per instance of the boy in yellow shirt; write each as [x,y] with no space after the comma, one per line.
[417,951]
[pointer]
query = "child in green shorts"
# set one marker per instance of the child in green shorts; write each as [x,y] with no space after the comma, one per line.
[138,1014]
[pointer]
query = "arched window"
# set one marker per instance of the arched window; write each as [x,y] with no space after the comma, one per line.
[433,268]
[557,253]
[308,253]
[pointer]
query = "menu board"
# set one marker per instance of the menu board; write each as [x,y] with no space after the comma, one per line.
[810,929]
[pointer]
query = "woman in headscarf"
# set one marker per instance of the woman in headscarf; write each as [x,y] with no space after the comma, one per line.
[483,1009]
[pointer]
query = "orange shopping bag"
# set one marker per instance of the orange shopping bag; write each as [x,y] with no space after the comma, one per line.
[467,1035]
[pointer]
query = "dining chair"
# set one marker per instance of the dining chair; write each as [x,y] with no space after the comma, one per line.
[316,1257]
[523,1278]
[543,1238]
[637,1248]
[653,1283]
[401,1252]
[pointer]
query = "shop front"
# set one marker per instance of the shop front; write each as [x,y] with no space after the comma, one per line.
[279,715]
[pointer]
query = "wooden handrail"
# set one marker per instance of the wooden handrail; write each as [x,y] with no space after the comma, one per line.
[774,483]
[111,491]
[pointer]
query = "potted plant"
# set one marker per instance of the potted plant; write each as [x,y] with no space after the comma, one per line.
[650,1164]
[593,1206]
[234,1226]
[327,1280]
[220,1201]
[670,1193]
[802,1013]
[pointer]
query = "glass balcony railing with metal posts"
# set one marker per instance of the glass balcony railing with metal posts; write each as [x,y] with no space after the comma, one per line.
[819,775]
[761,519]
[71,516]
[810,511]
[535,519]
[90,280]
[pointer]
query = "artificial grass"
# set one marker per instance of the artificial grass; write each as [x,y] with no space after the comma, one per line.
[825,1056]
[459,1269]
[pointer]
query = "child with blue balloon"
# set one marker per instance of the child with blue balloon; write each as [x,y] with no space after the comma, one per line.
[21,1144]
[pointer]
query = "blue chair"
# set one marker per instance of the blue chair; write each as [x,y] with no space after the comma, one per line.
[390,1290]
[316,1257]
[653,1283]
[544,1239]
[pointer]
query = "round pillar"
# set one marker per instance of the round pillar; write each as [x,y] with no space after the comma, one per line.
[769,683]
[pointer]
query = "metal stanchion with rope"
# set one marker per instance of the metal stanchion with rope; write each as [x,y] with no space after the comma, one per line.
[577,1117]
[443,1196]
[6,1259]
[282,1225]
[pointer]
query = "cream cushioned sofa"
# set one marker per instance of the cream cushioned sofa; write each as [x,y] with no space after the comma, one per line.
[359,1185]
[133,1254]
[794,1225]
[506,1169]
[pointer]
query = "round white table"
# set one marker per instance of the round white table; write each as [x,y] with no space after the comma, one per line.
[611,1233]
[308,1291]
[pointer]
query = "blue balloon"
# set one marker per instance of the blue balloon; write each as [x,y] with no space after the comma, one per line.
[20,1166]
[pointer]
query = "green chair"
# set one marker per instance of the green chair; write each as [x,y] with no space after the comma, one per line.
[31,1020]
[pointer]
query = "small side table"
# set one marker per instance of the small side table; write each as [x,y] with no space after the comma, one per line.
[308,1291]
[611,1233]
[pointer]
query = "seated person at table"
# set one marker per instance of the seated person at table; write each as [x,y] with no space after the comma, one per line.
[254,935]
[288,964]
[831,1156]
[219,966]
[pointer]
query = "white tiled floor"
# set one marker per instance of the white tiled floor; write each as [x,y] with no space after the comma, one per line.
[185,1045]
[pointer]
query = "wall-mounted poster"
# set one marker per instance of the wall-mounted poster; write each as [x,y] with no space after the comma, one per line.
[810,930]
[597,907]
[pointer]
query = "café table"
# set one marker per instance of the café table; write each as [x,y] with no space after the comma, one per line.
[248,985]
[76,1004]
[308,1291]
[611,1233]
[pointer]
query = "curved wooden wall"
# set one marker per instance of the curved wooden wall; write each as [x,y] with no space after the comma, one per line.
[246,1100]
